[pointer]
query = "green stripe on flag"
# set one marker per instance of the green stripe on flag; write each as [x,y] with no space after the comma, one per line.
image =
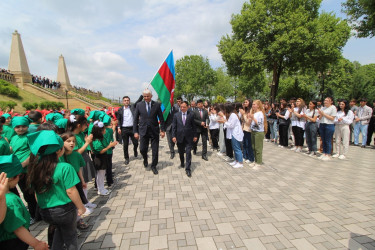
[163,93]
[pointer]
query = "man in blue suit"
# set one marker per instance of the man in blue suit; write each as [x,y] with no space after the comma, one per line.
[146,128]
[184,133]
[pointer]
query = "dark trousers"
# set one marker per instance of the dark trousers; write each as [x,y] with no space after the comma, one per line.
[183,147]
[215,138]
[170,142]
[81,193]
[228,145]
[298,136]
[64,218]
[15,244]
[204,134]
[108,171]
[28,196]
[283,134]
[248,153]
[145,141]
[311,135]
[126,133]
[268,134]
[370,131]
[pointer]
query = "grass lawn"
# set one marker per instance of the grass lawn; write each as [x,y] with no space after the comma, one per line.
[24,97]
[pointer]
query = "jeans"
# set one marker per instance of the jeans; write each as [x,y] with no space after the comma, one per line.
[236,145]
[273,129]
[359,128]
[311,136]
[64,218]
[248,152]
[326,133]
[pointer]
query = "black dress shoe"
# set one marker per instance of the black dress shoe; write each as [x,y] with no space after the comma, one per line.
[188,173]
[145,163]
[126,161]
[135,154]
[194,152]
[172,155]
[204,157]
[182,165]
[154,170]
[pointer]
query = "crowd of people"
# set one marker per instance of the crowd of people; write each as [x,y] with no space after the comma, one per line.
[6,75]
[52,155]
[45,82]
[83,90]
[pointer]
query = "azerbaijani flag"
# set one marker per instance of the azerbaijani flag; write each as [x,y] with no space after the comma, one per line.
[164,83]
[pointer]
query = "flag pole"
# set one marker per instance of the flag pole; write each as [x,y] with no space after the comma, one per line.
[149,84]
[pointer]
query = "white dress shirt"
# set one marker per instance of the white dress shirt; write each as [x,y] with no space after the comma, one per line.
[127,117]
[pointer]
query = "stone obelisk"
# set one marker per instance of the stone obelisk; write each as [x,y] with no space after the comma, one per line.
[17,61]
[62,74]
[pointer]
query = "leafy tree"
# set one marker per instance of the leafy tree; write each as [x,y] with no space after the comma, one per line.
[364,82]
[361,16]
[224,86]
[194,77]
[219,99]
[276,35]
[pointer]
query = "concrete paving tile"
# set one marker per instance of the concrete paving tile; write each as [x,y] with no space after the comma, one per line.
[254,244]
[269,229]
[206,243]
[141,226]
[158,242]
[203,215]
[225,228]
[183,227]
[302,244]
[312,229]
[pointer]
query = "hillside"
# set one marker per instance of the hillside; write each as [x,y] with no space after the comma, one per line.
[24,97]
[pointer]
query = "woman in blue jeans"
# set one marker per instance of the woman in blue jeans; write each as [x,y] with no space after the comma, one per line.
[311,130]
[327,116]
[54,184]
[248,153]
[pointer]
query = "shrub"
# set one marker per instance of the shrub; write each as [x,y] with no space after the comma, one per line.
[51,105]
[9,104]
[8,89]
[30,106]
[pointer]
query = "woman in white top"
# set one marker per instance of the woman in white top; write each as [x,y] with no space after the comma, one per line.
[259,128]
[300,122]
[214,127]
[234,132]
[327,115]
[342,121]
[311,116]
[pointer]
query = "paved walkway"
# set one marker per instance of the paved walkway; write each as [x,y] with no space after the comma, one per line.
[295,202]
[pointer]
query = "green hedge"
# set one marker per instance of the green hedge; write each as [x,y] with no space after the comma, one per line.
[51,105]
[30,106]
[8,89]
[7,104]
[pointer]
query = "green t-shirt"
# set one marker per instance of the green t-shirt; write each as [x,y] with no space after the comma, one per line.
[80,141]
[99,145]
[20,147]
[4,147]
[108,137]
[64,177]
[8,132]
[33,128]
[75,159]
[15,217]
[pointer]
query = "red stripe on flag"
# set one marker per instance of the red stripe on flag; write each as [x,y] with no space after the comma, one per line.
[167,76]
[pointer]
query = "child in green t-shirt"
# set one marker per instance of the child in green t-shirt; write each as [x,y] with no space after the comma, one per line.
[14,229]
[100,148]
[36,119]
[54,185]
[4,144]
[8,131]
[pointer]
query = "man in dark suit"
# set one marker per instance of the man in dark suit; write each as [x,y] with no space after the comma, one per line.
[184,134]
[201,118]
[168,125]
[125,120]
[146,128]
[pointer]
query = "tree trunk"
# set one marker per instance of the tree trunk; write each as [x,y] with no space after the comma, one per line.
[277,68]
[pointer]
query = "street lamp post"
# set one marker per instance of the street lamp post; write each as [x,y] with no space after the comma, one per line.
[66,97]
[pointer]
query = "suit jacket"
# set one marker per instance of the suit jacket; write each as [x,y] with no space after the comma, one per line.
[168,122]
[198,120]
[181,131]
[142,120]
[120,112]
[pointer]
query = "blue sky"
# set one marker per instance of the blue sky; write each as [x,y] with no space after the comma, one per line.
[117,46]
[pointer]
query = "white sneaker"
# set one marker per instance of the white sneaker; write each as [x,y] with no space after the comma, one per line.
[230,159]
[266,140]
[226,158]
[321,157]
[298,150]
[247,161]
[293,148]
[335,156]
[90,205]
[233,163]
[238,165]
[326,158]
[219,154]
[252,164]
[342,157]
[104,192]
[312,153]
[87,212]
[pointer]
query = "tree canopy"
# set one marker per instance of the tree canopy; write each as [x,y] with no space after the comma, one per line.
[361,15]
[279,36]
